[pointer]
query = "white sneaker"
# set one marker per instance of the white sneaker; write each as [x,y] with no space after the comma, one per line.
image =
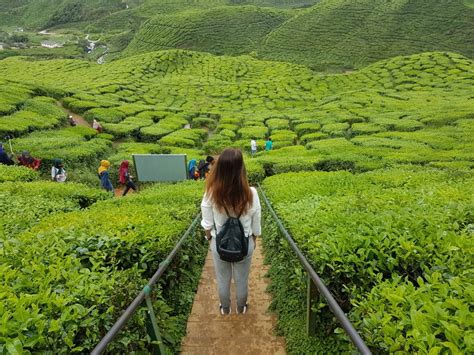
[224,311]
[242,310]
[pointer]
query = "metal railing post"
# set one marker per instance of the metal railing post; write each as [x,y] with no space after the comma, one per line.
[154,332]
[311,315]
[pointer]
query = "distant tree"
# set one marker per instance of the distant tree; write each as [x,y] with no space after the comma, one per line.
[71,12]
[83,44]
[4,36]
[19,38]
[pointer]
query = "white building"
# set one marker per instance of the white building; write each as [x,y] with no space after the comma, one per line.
[51,44]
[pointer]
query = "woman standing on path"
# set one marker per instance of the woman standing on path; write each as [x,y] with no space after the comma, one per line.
[228,190]
[125,178]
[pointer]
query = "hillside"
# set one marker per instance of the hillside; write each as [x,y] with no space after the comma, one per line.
[330,35]
[391,112]
[221,30]
[401,129]
[40,14]
[348,33]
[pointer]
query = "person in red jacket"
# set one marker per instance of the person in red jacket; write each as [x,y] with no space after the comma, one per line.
[27,160]
[125,178]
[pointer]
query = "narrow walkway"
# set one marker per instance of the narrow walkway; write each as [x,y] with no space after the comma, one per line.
[253,333]
[80,121]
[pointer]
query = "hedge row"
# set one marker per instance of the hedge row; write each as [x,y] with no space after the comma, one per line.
[64,287]
[385,243]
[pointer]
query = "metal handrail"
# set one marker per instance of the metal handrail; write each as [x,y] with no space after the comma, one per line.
[143,294]
[333,305]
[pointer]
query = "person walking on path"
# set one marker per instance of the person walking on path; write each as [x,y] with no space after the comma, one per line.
[104,176]
[193,169]
[253,147]
[58,174]
[268,144]
[97,126]
[125,178]
[4,157]
[228,194]
[204,167]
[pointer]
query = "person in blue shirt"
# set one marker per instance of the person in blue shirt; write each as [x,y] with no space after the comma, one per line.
[193,169]
[268,144]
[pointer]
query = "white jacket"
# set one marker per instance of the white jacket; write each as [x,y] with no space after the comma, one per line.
[250,220]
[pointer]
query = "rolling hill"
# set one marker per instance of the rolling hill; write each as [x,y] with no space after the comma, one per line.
[348,33]
[329,35]
[220,30]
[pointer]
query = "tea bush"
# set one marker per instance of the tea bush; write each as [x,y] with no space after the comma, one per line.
[75,273]
[186,138]
[362,231]
[25,204]
[76,146]
[110,115]
[17,173]
[129,127]
[253,132]
[36,113]
[413,111]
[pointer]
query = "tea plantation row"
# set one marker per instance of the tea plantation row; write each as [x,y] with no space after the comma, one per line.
[72,260]
[394,247]
[392,112]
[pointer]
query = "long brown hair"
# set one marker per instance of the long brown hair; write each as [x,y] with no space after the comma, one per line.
[227,185]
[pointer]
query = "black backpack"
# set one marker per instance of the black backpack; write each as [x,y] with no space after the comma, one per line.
[231,243]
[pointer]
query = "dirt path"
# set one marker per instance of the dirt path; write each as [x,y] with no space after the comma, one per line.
[118,191]
[80,121]
[253,333]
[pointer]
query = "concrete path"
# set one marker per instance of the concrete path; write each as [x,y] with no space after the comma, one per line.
[208,332]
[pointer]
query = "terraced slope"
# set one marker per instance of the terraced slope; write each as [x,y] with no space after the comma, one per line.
[416,109]
[47,13]
[349,33]
[401,112]
[221,30]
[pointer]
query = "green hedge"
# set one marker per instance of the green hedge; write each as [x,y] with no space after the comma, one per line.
[75,145]
[109,115]
[366,229]
[162,128]
[310,137]
[306,128]
[283,135]
[186,138]
[227,126]
[128,127]
[36,113]
[253,132]
[335,129]
[25,204]
[17,173]
[75,272]
[199,122]
[277,123]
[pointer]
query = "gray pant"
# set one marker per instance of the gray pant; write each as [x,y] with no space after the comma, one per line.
[241,272]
